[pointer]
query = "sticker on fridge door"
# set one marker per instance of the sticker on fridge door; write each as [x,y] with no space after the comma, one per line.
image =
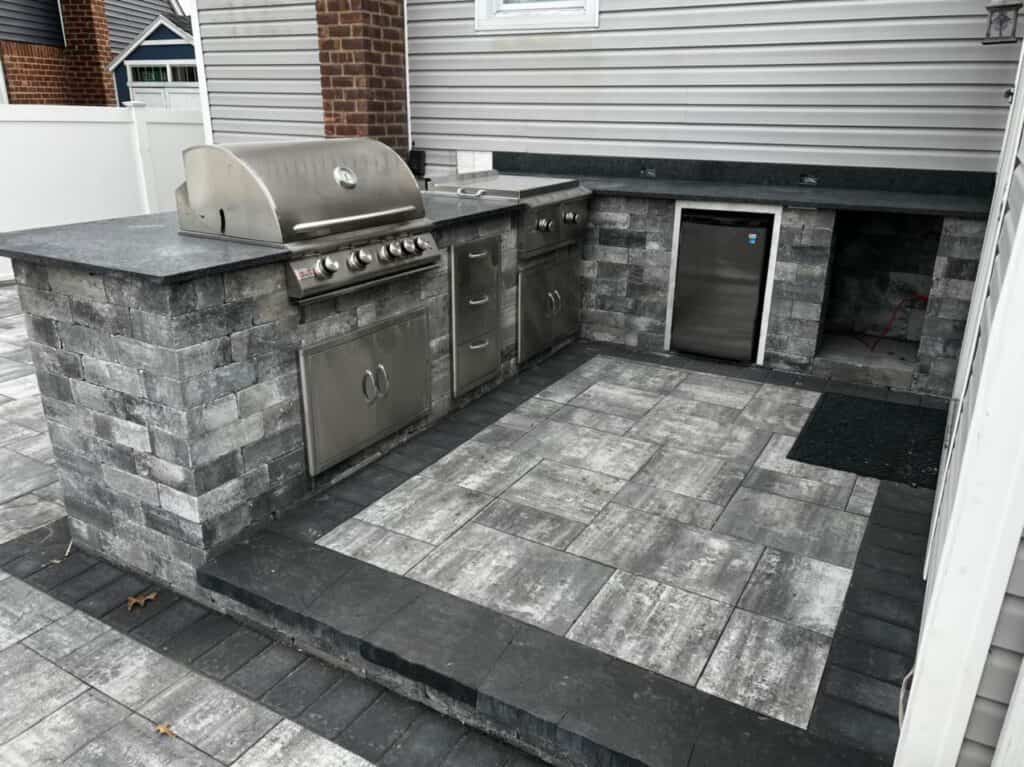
[752,238]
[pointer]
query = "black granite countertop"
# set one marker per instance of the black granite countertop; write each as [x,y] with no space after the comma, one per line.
[799,196]
[151,246]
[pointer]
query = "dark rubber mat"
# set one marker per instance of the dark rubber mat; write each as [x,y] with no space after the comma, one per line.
[901,443]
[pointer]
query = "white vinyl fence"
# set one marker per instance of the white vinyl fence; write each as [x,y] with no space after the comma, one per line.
[61,165]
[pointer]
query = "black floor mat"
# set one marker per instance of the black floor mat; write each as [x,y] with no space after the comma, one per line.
[901,443]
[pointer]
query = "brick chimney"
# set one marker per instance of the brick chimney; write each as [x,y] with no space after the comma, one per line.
[87,53]
[362,69]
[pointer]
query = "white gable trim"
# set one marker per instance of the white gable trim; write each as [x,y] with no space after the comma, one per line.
[157,22]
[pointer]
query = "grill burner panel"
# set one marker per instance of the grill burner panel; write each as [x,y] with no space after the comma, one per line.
[319,274]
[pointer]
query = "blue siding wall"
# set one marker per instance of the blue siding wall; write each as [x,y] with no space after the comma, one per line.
[121,84]
[163,33]
[162,53]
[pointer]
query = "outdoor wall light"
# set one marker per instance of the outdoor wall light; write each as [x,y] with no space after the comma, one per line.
[1002,23]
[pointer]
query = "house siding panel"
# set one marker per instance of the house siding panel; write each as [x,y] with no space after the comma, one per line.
[127,18]
[894,83]
[31,21]
[262,69]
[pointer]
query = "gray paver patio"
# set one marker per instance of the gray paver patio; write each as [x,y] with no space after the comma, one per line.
[651,513]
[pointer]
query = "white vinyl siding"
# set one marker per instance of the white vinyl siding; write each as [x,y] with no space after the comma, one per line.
[1001,670]
[262,69]
[891,83]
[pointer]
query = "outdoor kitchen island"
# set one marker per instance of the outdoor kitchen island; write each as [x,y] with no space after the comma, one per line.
[169,370]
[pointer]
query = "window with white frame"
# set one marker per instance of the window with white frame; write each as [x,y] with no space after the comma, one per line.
[145,74]
[535,15]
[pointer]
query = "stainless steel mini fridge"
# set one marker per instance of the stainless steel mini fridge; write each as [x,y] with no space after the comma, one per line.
[719,290]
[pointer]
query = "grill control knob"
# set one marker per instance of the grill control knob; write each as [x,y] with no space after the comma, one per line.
[359,259]
[409,246]
[384,255]
[325,267]
[571,217]
[395,249]
[545,225]
[421,244]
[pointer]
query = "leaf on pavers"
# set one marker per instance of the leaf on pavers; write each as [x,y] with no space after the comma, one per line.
[67,553]
[166,729]
[141,600]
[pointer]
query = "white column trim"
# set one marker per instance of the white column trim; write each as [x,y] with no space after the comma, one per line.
[204,94]
[980,547]
[1004,174]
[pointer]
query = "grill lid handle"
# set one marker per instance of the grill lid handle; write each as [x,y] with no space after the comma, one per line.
[305,226]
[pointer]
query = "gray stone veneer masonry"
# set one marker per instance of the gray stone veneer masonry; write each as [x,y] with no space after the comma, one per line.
[174,410]
[625,282]
[956,266]
[800,287]
[625,271]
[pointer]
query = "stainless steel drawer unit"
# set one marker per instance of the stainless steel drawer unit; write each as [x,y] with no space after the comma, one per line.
[476,313]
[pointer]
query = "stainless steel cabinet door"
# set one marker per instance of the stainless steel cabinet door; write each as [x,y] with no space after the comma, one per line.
[402,371]
[536,310]
[360,388]
[338,396]
[565,287]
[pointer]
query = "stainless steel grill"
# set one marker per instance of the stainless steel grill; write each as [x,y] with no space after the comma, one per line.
[350,209]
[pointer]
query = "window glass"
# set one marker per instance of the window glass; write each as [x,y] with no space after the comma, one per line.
[184,74]
[148,74]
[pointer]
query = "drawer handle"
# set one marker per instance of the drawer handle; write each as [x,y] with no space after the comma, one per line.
[479,301]
[464,191]
[479,345]
[474,256]
[369,387]
[550,304]
[382,381]
[558,302]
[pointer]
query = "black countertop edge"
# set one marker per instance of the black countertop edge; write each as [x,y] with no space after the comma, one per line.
[151,247]
[792,196]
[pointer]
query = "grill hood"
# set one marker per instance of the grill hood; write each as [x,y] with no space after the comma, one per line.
[285,192]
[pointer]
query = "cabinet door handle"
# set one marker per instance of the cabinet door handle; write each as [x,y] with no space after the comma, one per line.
[558,302]
[550,304]
[369,387]
[479,301]
[475,256]
[382,381]
[479,345]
